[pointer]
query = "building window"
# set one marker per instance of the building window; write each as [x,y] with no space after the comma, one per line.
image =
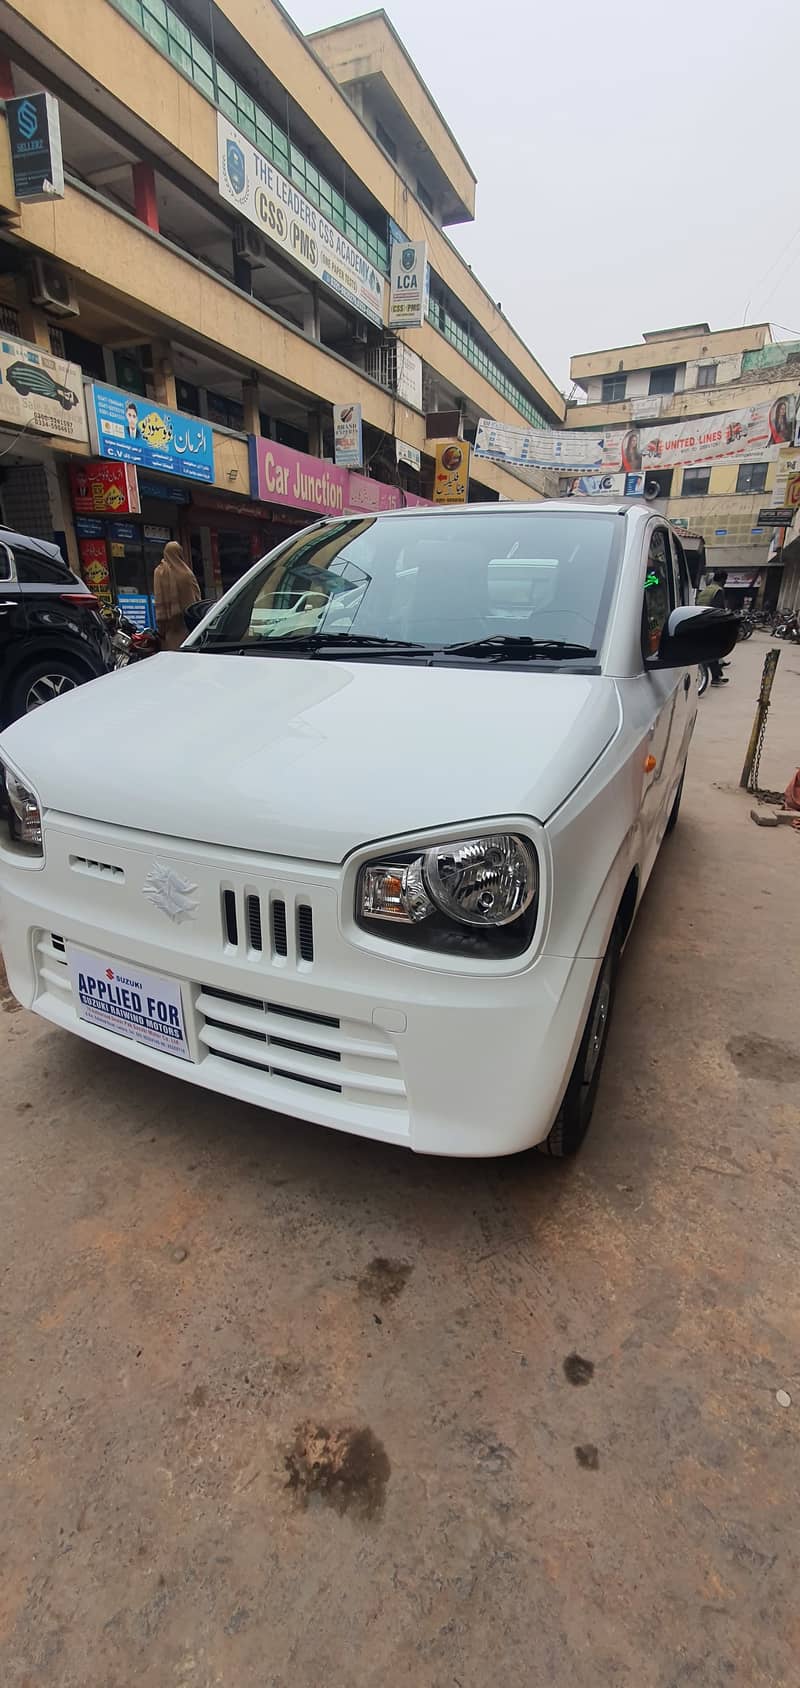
[386,140]
[707,375]
[752,477]
[614,387]
[663,380]
[695,482]
[424,197]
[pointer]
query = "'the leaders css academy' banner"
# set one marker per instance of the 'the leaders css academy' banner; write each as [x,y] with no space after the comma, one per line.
[250,182]
[409,268]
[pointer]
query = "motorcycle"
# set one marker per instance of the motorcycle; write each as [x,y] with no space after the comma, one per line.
[788,628]
[747,627]
[128,642]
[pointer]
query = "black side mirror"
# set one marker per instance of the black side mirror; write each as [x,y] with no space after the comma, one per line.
[697,635]
[194,614]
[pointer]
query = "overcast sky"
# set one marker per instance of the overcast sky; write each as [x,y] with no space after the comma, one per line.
[638,167]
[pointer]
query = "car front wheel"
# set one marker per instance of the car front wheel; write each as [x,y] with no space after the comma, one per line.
[41,682]
[574,1115]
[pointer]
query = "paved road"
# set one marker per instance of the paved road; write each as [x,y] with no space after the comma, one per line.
[548,1394]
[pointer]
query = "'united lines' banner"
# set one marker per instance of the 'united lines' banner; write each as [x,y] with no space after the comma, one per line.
[750,435]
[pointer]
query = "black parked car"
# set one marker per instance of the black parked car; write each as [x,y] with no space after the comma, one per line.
[52,635]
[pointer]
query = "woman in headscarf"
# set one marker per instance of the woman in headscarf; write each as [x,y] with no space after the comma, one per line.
[175,589]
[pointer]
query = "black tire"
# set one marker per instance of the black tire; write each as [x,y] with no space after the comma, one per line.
[703,678]
[574,1116]
[676,805]
[55,675]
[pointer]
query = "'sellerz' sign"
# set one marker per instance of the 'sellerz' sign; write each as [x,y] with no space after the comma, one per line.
[248,181]
[34,133]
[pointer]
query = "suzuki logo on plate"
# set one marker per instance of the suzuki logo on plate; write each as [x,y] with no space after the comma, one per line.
[171,893]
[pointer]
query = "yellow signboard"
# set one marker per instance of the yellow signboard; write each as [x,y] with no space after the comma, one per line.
[451,476]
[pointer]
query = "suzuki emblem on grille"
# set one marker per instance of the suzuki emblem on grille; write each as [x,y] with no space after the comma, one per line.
[170,893]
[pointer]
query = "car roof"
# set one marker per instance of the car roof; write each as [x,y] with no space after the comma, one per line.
[9,536]
[576,505]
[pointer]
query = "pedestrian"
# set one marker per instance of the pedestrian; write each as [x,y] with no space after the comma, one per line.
[175,588]
[713,596]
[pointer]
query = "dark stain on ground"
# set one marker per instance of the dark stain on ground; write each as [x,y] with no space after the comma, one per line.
[577,1370]
[8,1001]
[763,1057]
[384,1279]
[587,1456]
[347,1469]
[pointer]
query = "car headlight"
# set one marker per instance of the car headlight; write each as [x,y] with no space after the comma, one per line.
[476,894]
[20,813]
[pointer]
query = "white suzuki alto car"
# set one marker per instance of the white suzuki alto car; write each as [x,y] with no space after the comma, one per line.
[376,873]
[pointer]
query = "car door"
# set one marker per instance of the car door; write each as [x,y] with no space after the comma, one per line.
[664,697]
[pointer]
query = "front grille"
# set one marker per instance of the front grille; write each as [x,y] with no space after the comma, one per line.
[280,938]
[305,932]
[253,906]
[354,1060]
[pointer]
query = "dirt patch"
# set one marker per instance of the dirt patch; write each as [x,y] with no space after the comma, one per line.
[8,1001]
[346,1469]
[577,1370]
[764,1058]
[384,1280]
[588,1457]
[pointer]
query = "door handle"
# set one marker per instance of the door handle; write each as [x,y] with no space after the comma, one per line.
[686,682]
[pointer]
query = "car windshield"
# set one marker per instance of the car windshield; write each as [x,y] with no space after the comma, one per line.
[524,584]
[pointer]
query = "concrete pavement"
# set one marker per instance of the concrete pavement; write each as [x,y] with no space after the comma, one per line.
[281,1409]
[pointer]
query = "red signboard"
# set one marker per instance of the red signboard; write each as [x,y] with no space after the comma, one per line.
[94,568]
[104,489]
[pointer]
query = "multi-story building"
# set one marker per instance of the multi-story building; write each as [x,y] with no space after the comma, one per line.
[216,272]
[680,375]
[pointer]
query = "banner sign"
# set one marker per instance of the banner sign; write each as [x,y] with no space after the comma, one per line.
[348,447]
[451,475]
[131,429]
[408,454]
[104,489]
[749,435]
[40,392]
[34,132]
[408,272]
[251,183]
[776,515]
[138,607]
[94,568]
[280,475]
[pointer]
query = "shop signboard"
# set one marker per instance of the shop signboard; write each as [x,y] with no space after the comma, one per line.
[752,434]
[792,491]
[249,181]
[776,515]
[131,429]
[451,474]
[408,271]
[89,527]
[40,393]
[138,607]
[279,475]
[34,133]
[104,489]
[348,444]
[408,454]
[94,568]
[409,375]
[162,489]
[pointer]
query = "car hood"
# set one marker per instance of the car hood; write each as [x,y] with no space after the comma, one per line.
[308,758]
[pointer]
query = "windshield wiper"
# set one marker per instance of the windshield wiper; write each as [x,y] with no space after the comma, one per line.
[510,647]
[309,642]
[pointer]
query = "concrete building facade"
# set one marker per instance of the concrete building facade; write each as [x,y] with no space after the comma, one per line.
[149,278]
[673,376]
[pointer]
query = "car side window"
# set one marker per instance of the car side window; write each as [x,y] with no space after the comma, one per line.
[5,563]
[658,591]
[33,568]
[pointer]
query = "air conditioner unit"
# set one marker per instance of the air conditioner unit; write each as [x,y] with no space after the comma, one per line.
[52,288]
[250,245]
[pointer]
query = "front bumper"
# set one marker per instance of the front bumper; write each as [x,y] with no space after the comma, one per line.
[284,1009]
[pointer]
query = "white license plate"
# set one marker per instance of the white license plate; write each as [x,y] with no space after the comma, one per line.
[118,996]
